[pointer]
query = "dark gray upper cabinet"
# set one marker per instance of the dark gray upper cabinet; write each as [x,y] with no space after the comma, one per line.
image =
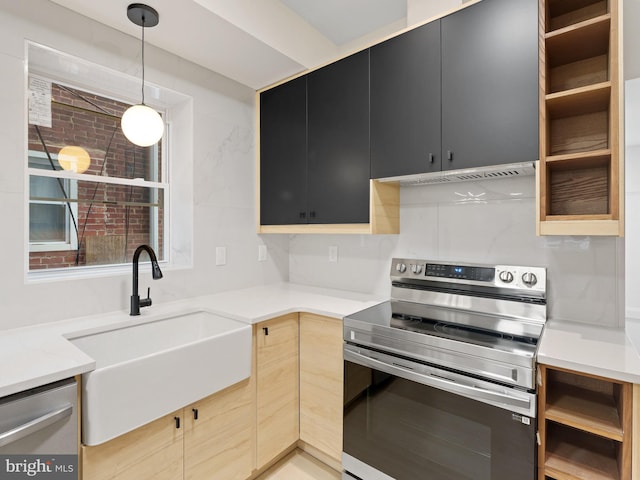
[490,84]
[283,154]
[405,103]
[338,141]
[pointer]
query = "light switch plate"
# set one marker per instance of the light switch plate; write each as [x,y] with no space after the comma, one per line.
[333,253]
[221,255]
[262,253]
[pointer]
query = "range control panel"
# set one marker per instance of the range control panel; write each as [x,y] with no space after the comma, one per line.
[481,274]
[503,276]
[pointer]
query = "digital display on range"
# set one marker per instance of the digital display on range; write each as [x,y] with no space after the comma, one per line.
[481,274]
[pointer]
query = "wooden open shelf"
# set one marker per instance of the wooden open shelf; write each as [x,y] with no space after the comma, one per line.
[578,42]
[585,425]
[579,190]
[572,454]
[579,179]
[593,412]
[562,13]
[579,101]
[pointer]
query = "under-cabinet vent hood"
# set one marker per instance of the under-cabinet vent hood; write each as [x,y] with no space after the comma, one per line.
[467,175]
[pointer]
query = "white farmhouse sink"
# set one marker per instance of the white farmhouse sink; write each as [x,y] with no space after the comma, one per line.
[148,370]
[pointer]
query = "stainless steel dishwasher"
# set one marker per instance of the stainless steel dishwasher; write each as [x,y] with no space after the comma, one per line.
[39,433]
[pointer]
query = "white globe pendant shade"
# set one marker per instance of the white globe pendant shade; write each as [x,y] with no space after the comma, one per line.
[74,159]
[142,125]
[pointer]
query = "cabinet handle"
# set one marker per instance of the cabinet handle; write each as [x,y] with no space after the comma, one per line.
[431,158]
[195,413]
[303,215]
[177,419]
[450,155]
[265,330]
[312,214]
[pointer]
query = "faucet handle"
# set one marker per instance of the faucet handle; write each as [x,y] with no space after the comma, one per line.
[146,302]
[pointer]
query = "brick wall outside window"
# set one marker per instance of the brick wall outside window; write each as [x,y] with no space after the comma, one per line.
[104,210]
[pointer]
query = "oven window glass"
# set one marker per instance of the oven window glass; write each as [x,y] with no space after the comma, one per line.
[408,431]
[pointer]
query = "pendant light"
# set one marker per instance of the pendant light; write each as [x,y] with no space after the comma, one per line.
[74,159]
[141,124]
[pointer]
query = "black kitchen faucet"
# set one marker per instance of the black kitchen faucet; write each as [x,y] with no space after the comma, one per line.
[136,303]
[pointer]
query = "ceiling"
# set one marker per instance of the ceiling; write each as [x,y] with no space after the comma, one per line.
[254,42]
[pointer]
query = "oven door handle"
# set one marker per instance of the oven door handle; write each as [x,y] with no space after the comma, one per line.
[524,404]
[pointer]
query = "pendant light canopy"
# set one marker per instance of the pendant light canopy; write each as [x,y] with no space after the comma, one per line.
[141,124]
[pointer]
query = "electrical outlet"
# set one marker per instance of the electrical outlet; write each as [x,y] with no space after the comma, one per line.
[262,253]
[221,255]
[333,253]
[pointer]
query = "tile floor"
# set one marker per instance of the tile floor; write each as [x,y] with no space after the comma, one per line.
[299,465]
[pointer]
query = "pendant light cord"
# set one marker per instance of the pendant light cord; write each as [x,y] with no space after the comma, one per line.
[143,59]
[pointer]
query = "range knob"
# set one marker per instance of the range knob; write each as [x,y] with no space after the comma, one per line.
[401,267]
[529,279]
[505,276]
[416,269]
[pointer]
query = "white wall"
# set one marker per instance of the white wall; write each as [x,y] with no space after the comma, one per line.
[419,11]
[481,222]
[224,172]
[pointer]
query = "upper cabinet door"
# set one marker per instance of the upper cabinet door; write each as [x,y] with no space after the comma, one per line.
[283,154]
[490,84]
[338,133]
[405,103]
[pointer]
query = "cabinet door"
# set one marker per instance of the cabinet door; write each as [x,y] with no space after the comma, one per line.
[321,383]
[218,439]
[277,387]
[283,154]
[405,103]
[153,451]
[338,152]
[490,84]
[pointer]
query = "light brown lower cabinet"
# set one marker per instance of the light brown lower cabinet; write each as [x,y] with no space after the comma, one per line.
[321,379]
[277,387]
[218,444]
[294,393]
[218,436]
[585,423]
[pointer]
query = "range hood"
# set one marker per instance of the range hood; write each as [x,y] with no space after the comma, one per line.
[522,169]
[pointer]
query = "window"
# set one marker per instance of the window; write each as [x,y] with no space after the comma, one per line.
[52,216]
[93,196]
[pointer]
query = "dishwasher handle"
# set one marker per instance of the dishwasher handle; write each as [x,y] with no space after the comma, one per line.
[34,425]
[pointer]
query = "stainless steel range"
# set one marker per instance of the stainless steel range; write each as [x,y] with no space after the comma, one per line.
[439,381]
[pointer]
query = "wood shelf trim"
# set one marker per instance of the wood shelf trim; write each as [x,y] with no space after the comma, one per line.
[598,22]
[577,218]
[575,158]
[579,90]
[578,225]
[586,410]
[579,101]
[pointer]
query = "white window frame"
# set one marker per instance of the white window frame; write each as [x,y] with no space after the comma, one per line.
[99,80]
[71,242]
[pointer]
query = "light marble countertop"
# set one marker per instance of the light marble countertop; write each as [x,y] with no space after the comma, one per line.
[610,353]
[40,354]
[37,355]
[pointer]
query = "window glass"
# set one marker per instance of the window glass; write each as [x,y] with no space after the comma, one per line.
[93,195]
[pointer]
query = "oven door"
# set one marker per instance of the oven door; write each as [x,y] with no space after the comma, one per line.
[404,420]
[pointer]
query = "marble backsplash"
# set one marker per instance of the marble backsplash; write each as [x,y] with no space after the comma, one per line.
[489,221]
